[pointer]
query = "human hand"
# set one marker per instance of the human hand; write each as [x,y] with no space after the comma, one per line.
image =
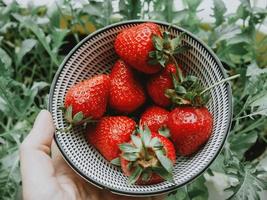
[45,177]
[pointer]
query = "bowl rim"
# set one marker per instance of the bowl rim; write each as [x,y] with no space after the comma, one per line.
[171,188]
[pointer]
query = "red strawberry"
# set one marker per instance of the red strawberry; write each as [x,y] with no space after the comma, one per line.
[134,44]
[190,128]
[148,158]
[159,83]
[126,94]
[109,133]
[88,97]
[155,118]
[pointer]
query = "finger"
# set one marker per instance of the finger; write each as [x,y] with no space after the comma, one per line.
[42,132]
[57,156]
[36,165]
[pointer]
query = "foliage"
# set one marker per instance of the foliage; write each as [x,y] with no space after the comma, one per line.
[34,41]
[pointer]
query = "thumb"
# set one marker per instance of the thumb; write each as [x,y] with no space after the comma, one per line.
[41,135]
[36,165]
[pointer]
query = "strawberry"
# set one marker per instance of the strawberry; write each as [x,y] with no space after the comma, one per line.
[134,44]
[126,94]
[108,133]
[87,99]
[190,127]
[159,83]
[148,158]
[155,118]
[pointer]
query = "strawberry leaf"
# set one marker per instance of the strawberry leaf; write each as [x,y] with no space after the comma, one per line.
[128,148]
[181,49]
[165,162]
[166,39]
[162,62]
[164,131]
[130,165]
[137,141]
[68,114]
[78,117]
[146,136]
[180,89]
[130,156]
[116,161]
[157,41]
[191,78]
[146,175]
[135,175]
[155,143]
[163,173]
[175,42]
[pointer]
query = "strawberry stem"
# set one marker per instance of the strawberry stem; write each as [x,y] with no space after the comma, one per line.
[179,71]
[218,83]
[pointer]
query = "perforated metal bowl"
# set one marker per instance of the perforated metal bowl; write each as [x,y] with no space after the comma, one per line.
[95,55]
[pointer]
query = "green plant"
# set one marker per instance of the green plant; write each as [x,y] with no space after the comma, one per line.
[30,54]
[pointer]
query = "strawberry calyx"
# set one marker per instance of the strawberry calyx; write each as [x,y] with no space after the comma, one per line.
[164,131]
[188,90]
[146,155]
[166,48]
[76,119]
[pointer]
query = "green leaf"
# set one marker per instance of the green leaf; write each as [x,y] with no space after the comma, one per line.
[116,161]
[175,42]
[39,33]
[128,148]
[243,11]
[57,37]
[10,177]
[37,86]
[165,161]
[68,114]
[137,141]
[131,9]
[152,54]
[26,46]
[162,62]
[191,78]
[163,173]
[5,59]
[146,136]
[130,165]
[219,10]
[239,38]
[146,175]
[240,143]
[181,49]
[164,131]
[157,41]
[130,156]
[5,64]
[135,175]
[180,89]
[250,182]
[155,143]
[78,117]
[254,70]
[196,190]
[192,4]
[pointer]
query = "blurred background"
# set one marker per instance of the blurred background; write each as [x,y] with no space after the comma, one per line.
[35,35]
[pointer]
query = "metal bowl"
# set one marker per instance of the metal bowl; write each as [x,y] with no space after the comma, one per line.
[96,55]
